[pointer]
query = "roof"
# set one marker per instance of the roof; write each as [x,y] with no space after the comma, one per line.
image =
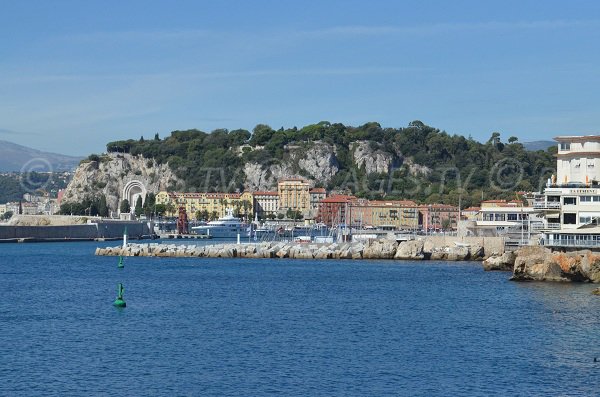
[577,138]
[339,198]
[471,209]
[317,190]
[392,203]
[266,193]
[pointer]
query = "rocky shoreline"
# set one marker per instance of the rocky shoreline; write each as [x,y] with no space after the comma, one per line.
[376,249]
[538,263]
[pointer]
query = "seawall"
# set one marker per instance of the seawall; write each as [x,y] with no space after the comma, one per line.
[422,249]
[90,231]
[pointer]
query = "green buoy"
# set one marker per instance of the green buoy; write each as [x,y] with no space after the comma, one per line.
[119,302]
[120,264]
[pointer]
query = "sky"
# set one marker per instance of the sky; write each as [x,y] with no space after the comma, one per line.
[75,75]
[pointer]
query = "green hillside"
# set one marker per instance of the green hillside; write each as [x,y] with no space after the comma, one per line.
[455,165]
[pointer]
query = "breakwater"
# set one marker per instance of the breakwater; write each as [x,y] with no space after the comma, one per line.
[104,229]
[421,249]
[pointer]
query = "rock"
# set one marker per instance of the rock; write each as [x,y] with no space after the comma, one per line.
[110,175]
[596,291]
[458,254]
[477,252]
[374,161]
[536,263]
[410,250]
[380,249]
[504,262]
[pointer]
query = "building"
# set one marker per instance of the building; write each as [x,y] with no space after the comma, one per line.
[266,204]
[294,194]
[501,216]
[334,210]
[384,214]
[572,197]
[206,205]
[316,195]
[438,217]
[470,213]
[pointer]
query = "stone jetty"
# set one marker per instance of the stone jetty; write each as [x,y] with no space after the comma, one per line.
[374,249]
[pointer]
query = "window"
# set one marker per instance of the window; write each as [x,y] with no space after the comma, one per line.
[569,200]
[596,199]
[565,146]
[585,199]
[585,219]
[512,217]
[569,218]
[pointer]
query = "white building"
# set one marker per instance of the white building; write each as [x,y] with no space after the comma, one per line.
[266,203]
[571,201]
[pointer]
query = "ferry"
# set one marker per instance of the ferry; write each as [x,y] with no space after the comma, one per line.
[227,226]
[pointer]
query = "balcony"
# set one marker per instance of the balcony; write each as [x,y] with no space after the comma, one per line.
[552,226]
[546,205]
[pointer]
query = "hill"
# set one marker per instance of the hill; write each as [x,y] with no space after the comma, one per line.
[538,145]
[18,158]
[416,162]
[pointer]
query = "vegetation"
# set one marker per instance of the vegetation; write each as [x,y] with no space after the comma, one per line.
[457,167]
[14,185]
[90,207]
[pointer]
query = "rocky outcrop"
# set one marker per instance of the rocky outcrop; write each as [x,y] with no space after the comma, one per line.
[410,250]
[452,252]
[380,249]
[541,264]
[374,161]
[316,162]
[504,262]
[112,172]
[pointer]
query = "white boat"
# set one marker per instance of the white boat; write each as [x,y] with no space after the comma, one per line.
[228,226]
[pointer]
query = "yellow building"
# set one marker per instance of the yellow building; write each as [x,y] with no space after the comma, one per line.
[209,205]
[389,214]
[294,194]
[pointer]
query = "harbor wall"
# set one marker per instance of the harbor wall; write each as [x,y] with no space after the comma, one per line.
[421,249]
[91,231]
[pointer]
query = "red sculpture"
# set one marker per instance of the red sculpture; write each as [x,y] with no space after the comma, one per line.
[182,222]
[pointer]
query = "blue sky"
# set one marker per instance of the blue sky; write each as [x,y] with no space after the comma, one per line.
[77,74]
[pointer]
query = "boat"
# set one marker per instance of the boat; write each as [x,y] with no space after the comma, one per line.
[227,226]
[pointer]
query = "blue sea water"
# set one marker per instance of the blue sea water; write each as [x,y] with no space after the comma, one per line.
[244,327]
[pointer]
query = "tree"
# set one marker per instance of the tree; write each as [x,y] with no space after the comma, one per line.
[7,215]
[160,209]
[138,206]
[102,206]
[125,208]
[156,137]
[513,139]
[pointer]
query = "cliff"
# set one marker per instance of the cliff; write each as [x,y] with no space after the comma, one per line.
[316,161]
[112,172]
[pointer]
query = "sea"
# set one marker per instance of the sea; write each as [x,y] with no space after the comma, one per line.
[267,327]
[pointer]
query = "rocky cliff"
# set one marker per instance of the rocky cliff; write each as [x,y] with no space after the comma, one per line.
[317,162]
[112,172]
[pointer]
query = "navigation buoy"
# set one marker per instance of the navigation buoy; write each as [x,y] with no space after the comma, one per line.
[120,264]
[119,302]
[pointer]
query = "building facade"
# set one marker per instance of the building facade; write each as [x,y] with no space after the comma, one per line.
[266,204]
[206,205]
[571,199]
[294,194]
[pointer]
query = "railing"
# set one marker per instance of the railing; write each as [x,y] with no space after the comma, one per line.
[552,226]
[546,205]
[572,243]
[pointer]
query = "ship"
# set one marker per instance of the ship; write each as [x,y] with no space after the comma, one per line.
[227,226]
